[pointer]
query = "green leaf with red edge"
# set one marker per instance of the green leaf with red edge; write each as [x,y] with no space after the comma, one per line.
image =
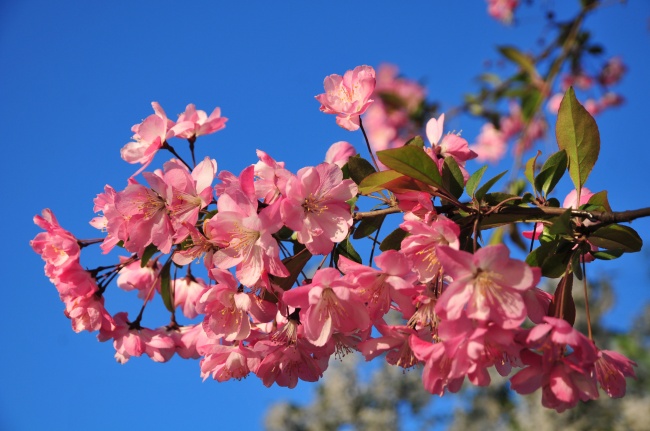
[616,237]
[359,168]
[166,286]
[376,182]
[577,133]
[393,241]
[413,162]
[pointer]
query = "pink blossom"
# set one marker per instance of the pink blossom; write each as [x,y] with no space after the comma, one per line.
[271,177]
[611,369]
[490,144]
[147,214]
[187,292]
[437,366]
[244,235]
[348,96]
[451,145]
[58,247]
[339,153]
[87,313]
[395,341]
[202,124]
[112,221]
[612,71]
[225,362]
[150,135]
[475,346]
[502,10]
[553,104]
[421,246]
[315,206]
[226,308]
[143,279]
[328,304]
[564,367]
[378,289]
[488,282]
[187,338]
[188,193]
[285,364]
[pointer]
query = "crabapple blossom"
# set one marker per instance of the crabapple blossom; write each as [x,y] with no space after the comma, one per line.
[488,282]
[379,289]
[611,368]
[339,153]
[421,246]
[202,124]
[58,247]
[502,10]
[490,144]
[348,96]
[315,206]
[328,304]
[451,145]
[244,235]
[150,136]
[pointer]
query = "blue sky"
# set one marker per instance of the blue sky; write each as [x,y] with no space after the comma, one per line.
[76,76]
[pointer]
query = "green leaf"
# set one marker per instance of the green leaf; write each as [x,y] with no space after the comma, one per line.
[368,225]
[497,197]
[147,254]
[577,133]
[519,58]
[552,171]
[561,225]
[416,141]
[346,249]
[375,182]
[166,286]
[529,171]
[393,241]
[530,102]
[412,162]
[552,257]
[452,177]
[607,254]
[616,237]
[474,180]
[359,168]
[486,187]
[599,200]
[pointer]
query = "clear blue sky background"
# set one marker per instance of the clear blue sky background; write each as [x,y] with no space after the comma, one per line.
[75,76]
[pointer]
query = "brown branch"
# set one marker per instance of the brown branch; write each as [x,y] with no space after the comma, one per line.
[513,214]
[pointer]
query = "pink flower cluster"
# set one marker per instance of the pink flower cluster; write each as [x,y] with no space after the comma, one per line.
[462,313]
[390,120]
[610,74]
[492,144]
